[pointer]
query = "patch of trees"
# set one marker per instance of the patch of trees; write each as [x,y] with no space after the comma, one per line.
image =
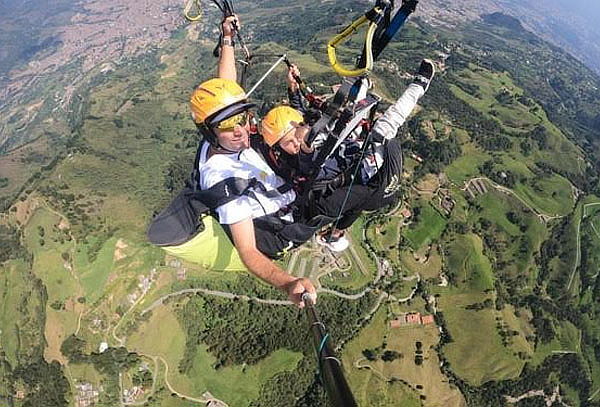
[10,244]
[436,153]
[502,176]
[390,355]
[299,388]
[488,303]
[370,354]
[468,88]
[558,245]
[142,378]
[110,362]
[540,135]
[258,329]
[487,132]
[178,173]
[46,384]
[567,368]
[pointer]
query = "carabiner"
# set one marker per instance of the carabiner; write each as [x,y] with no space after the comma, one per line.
[372,18]
[188,8]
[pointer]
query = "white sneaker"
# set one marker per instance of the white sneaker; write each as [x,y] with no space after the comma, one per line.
[425,74]
[335,244]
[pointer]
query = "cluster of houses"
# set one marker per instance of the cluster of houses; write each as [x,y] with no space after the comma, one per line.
[411,318]
[87,395]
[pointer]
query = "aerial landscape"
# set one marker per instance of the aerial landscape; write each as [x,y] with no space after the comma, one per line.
[480,287]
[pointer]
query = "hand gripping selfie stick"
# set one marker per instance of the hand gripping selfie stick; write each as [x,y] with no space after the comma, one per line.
[330,367]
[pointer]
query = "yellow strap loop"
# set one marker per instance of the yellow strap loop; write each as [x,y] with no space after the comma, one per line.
[348,31]
[188,8]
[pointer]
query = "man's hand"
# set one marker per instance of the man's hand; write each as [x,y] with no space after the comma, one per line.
[245,242]
[226,67]
[227,26]
[291,80]
[296,288]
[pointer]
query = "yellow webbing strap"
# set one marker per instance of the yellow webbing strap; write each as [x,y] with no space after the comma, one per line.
[188,9]
[348,31]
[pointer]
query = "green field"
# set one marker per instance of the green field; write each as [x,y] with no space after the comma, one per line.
[567,339]
[551,195]
[466,166]
[476,355]
[368,387]
[162,336]
[430,269]
[519,240]
[468,263]
[428,228]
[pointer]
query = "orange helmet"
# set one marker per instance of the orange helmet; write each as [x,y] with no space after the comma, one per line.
[278,122]
[214,95]
[214,101]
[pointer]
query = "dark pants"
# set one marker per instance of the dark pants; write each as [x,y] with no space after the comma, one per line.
[383,189]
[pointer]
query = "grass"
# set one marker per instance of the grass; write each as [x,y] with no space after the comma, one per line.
[495,207]
[368,388]
[59,325]
[550,195]
[236,385]
[385,236]
[477,355]
[430,269]
[468,263]
[467,165]
[566,339]
[388,236]
[48,263]
[427,230]
[19,313]
[94,276]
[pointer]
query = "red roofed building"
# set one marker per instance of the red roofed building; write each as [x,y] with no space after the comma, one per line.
[406,213]
[413,318]
[427,319]
[396,323]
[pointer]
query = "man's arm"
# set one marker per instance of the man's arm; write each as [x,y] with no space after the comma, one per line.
[264,268]
[226,68]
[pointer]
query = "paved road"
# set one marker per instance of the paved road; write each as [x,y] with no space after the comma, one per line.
[215,293]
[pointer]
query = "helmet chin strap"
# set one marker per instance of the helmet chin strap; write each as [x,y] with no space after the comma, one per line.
[219,147]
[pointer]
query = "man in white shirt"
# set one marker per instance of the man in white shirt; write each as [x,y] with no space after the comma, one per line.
[220,110]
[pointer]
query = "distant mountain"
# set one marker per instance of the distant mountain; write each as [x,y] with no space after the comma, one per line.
[571,25]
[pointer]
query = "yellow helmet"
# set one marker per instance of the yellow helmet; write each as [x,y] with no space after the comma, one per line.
[278,122]
[216,100]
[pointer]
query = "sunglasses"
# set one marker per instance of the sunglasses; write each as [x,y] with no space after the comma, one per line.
[230,123]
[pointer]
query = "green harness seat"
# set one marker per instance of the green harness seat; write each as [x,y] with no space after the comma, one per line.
[210,248]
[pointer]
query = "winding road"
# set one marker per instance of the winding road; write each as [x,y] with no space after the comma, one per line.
[545,218]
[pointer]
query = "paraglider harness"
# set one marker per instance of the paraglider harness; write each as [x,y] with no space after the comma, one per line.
[352,109]
[182,219]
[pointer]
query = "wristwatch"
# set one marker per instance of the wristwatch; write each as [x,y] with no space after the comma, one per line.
[227,41]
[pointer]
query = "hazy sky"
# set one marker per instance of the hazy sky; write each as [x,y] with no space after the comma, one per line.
[589,9]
